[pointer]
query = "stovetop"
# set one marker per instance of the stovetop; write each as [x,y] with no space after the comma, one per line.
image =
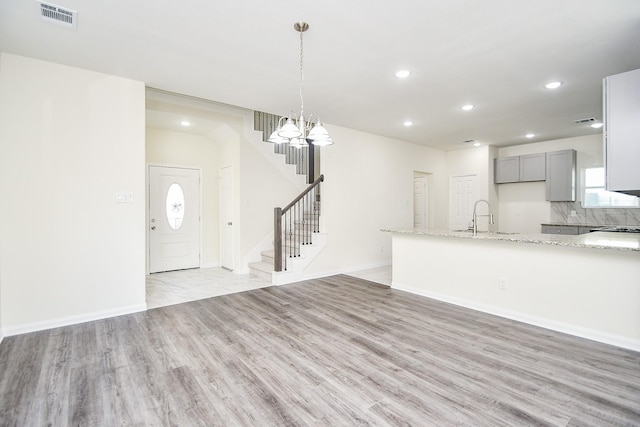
[621,229]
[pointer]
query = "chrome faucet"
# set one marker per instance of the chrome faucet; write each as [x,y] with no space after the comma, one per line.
[475,216]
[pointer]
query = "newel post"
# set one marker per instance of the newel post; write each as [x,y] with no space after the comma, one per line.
[277,239]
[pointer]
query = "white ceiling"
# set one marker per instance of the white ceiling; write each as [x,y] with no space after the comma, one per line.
[495,54]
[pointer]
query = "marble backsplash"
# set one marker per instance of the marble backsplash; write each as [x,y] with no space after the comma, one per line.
[561,214]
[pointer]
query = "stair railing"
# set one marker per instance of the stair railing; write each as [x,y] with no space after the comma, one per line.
[294,225]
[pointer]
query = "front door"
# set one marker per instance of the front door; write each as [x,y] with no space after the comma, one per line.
[174,218]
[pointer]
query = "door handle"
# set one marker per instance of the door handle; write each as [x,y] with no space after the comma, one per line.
[229,223]
[153,228]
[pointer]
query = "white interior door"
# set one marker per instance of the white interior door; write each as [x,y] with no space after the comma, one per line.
[174,218]
[226,217]
[420,201]
[463,194]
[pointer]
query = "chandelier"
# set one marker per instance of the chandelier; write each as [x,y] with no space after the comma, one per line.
[297,130]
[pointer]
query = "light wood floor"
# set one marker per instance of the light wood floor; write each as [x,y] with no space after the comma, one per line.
[326,352]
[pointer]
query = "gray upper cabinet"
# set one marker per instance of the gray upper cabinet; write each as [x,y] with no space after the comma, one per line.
[533,167]
[622,132]
[530,167]
[561,176]
[507,169]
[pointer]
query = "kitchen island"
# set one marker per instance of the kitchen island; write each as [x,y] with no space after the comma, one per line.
[585,285]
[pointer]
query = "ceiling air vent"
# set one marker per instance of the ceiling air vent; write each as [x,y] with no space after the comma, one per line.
[59,15]
[585,121]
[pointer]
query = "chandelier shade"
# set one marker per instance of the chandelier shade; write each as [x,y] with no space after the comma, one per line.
[290,130]
[319,135]
[277,139]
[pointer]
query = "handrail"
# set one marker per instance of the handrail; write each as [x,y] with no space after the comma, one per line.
[297,229]
[304,193]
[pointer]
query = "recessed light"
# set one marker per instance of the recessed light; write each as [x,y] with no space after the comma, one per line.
[597,125]
[553,85]
[473,142]
[408,123]
[402,74]
[185,123]
[476,144]
[530,135]
[468,107]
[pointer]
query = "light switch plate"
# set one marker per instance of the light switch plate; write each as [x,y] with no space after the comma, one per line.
[124,197]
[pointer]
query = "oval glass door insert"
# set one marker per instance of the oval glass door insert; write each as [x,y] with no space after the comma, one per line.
[175,206]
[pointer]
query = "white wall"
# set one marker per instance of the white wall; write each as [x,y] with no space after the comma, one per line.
[70,140]
[189,150]
[262,188]
[369,186]
[1,330]
[523,206]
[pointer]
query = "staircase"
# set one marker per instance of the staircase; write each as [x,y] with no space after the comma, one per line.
[303,158]
[296,238]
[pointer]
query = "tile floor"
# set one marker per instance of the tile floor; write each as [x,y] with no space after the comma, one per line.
[175,287]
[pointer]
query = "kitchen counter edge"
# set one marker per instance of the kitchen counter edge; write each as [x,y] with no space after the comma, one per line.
[595,240]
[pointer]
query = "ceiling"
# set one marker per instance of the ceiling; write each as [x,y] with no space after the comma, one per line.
[494,54]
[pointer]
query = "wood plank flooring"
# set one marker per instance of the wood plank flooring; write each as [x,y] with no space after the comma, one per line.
[337,351]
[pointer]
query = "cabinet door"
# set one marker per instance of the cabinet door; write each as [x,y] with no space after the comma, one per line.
[561,176]
[622,132]
[532,167]
[507,169]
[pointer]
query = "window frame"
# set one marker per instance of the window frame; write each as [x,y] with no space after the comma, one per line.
[585,187]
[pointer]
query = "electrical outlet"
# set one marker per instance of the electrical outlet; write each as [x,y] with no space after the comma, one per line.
[502,283]
[573,213]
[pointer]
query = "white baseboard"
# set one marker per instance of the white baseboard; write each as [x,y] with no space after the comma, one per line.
[72,320]
[293,278]
[366,267]
[209,265]
[345,270]
[567,328]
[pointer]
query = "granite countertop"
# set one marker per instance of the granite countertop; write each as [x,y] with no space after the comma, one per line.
[595,240]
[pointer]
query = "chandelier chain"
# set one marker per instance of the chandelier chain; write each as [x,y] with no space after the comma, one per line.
[301,76]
